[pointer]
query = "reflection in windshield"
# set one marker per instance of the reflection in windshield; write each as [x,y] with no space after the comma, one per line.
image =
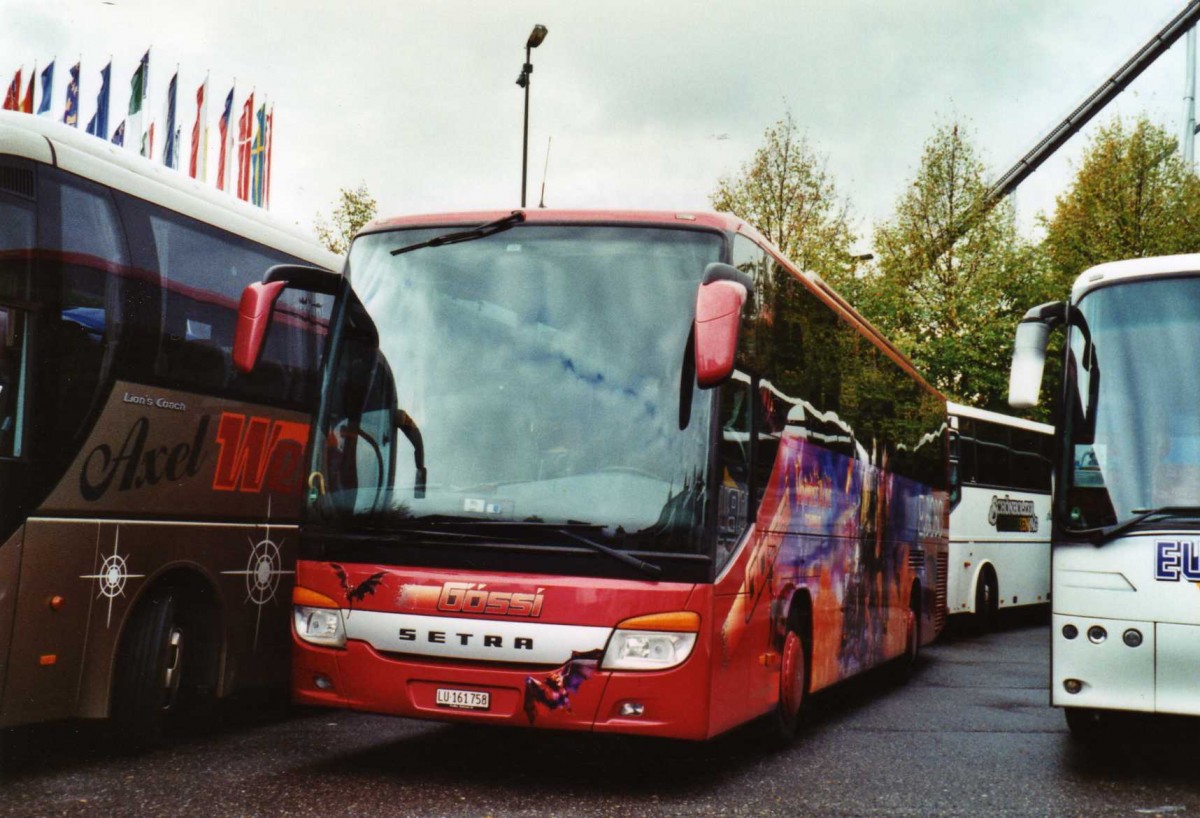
[542,367]
[1135,408]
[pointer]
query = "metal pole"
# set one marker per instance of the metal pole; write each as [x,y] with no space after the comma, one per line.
[525,133]
[1189,100]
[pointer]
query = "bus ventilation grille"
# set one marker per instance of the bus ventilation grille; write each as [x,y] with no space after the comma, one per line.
[18,181]
[943,568]
[916,559]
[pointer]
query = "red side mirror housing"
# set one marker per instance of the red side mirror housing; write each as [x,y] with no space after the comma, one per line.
[254,317]
[718,317]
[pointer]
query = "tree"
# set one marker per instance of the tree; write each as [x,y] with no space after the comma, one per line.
[1133,196]
[356,208]
[786,192]
[952,306]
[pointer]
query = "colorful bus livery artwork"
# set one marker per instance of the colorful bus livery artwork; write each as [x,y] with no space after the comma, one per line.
[611,472]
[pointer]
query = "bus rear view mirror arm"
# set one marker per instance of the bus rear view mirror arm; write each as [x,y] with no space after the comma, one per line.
[719,303]
[1029,353]
[258,304]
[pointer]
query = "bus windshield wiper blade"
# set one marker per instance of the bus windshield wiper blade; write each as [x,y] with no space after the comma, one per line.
[648,568]
[470,234]
[1102,535]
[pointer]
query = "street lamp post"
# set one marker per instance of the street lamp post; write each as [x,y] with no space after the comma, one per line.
[535,39]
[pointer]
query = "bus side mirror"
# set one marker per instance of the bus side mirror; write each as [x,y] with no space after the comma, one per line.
[1029,353]
[254,316]
[719,303]
[258,304]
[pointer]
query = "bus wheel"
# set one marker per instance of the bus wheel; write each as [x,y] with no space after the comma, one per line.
[1086,725]
[987,602]
[148,673]
[793,675]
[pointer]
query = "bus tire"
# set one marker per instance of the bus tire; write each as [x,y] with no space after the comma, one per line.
[783,722]
[987,601]
[1086,724]
[150,664]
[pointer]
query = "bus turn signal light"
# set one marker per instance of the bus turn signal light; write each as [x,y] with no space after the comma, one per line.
[311,599]
[683,621]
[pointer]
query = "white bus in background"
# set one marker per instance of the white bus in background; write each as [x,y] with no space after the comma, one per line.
[1000,513]
[1125,554]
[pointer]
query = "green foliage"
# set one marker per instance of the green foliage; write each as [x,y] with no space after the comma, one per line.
[355,208]
[786,192]
[1133,197]
[952,306]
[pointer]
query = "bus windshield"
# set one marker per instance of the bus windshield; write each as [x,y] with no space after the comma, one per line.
[539,376]
[1134,389]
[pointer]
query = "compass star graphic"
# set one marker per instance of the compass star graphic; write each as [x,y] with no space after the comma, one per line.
[264,567]
[113,574]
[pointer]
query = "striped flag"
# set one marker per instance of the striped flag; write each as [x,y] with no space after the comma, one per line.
[198,163]
[170,154]
[258,157]
[245,124]
[12,99]
[27,103]
[270,139]
[225,155]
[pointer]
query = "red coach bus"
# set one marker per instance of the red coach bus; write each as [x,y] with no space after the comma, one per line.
[150,492]
[621,472]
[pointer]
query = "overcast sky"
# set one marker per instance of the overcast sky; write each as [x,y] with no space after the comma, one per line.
[647,103]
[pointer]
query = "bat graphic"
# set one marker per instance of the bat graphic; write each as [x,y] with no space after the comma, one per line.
[357,592]
[555,688]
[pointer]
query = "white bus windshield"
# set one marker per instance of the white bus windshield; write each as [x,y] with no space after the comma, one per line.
[543,370]
[1135,402]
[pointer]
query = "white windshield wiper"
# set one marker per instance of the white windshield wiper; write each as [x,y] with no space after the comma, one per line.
[1100,536]
[470,234]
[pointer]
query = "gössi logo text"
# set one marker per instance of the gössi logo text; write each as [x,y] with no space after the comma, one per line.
[157,403]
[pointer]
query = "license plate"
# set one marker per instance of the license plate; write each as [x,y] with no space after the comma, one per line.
[463,699]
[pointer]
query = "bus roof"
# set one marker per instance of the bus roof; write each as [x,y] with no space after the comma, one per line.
[717,221]
[53,143]
[960,410]
[1157,266]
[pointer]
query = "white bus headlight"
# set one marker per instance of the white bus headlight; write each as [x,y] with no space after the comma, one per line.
[320,626]
[654,642]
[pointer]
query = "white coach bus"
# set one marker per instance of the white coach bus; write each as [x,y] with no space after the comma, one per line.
[1125,559]
[1000,513]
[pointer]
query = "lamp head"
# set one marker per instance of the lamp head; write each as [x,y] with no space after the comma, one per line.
[536,36]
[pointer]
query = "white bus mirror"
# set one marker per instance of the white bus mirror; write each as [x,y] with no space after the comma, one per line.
[1029,354]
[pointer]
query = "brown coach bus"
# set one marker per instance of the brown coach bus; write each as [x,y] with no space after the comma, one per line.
[149,492]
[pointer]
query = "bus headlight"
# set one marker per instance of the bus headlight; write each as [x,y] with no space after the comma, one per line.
[317,618]
[654,642]
[320,626]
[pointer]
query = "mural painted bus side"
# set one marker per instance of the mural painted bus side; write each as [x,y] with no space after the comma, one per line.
[999,513]
[609,471]
[151,492]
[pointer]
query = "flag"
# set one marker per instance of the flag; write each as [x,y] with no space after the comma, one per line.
[198,163]
[71,111]
[139,86]
[27,103]
[148,142]
[270,140]
[12,99]
[119,135]
[225,154]
[258,157]
[47,88]
[170,155]
[98,126]
[245,123]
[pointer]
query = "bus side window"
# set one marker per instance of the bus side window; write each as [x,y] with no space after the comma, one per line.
[14,381]
[83,227]
[733,484]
